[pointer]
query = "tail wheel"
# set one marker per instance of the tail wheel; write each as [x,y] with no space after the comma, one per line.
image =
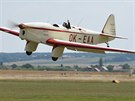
[107,44]
[28,53]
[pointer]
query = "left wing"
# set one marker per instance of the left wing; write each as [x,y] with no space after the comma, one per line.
[9,31]
[84,47]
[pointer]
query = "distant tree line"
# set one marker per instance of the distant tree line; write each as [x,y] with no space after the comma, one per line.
[125,67]
[31,67]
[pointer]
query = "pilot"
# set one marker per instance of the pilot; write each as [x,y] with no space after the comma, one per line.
[67,25]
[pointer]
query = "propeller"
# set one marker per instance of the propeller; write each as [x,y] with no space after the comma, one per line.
[14,25]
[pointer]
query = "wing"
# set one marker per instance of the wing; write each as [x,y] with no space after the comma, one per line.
[9,31]
[84,47]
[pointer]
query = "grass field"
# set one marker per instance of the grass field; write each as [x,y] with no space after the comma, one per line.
[61,90]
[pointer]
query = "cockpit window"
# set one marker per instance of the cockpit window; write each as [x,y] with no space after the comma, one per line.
[80,29]
[55,25]
[73,27]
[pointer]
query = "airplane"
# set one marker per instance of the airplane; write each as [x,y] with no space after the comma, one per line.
[66,36]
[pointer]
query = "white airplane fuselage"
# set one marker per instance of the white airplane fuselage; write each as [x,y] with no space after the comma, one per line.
[41,32]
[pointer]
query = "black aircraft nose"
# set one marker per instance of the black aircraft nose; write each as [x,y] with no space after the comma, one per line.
[21,26]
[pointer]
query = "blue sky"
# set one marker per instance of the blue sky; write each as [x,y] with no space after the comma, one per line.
[90,14]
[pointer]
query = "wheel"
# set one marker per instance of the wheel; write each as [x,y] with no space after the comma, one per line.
[54,58]
[28,53]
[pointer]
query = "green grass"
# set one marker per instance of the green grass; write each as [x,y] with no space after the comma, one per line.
[65,91]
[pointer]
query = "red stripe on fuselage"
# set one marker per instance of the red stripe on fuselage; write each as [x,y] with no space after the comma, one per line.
[56,30]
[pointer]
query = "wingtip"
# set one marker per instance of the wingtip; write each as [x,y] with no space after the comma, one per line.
[9,31]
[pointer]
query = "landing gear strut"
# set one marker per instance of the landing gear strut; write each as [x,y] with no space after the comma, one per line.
[28,53]
[107,44]
[54,58]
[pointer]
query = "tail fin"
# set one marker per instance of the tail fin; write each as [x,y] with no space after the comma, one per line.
[109,27]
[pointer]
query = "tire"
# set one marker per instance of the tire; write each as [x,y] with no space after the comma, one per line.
[28,53]
[54,58]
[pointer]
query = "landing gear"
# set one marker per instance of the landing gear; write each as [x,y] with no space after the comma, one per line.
[107,44]
[54,58]
[28,53]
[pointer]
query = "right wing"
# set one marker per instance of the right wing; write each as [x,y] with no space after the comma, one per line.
[9,31]
[84,47]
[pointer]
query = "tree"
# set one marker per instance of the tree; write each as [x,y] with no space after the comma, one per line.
[126,66]
[27,66]
[1,64]
[14,66]
[100,63]
[110,68]
[61,65]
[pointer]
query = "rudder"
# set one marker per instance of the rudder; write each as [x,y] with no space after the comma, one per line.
[109,27]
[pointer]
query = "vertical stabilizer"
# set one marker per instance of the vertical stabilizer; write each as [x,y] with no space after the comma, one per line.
[109,27]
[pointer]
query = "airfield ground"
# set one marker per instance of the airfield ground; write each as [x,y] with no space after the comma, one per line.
[65,86]
[65,75]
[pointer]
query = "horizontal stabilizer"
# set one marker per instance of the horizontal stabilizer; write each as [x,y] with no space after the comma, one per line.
[112,36]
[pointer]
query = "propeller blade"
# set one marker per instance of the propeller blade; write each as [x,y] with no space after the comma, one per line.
[12,24]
